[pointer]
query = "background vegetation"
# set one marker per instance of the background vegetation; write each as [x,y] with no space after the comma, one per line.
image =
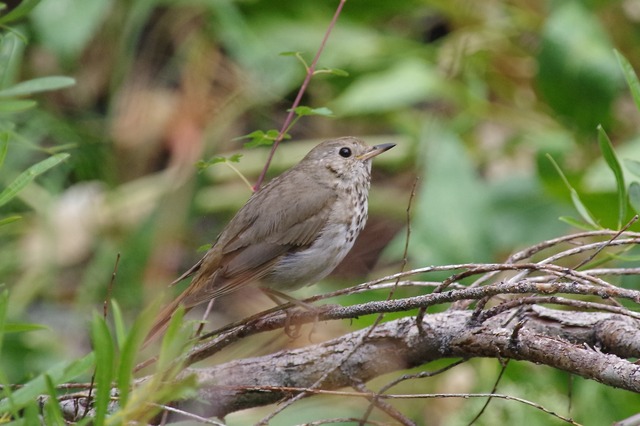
[476,94]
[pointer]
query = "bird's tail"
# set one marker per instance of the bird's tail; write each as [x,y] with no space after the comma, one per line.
[162,319]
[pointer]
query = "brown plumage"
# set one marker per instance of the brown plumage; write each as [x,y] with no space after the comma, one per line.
[291,233]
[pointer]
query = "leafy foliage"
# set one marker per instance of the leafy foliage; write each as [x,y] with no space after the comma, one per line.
[479,98]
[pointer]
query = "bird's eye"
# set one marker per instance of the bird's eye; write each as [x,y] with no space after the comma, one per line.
[345,152]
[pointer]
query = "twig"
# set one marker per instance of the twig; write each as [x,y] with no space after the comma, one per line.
[105,305]
[303,88]
[281,135]
[554,300]
[421,375]
[493,391]
[274,321]
[382,405]
[484,395]
[199,419]
[633,220]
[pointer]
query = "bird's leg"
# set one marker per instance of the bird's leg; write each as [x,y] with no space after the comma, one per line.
[278,298]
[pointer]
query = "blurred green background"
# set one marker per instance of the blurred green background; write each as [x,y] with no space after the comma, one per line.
[475,94]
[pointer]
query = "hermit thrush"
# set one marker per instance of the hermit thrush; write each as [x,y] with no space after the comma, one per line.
[291,233]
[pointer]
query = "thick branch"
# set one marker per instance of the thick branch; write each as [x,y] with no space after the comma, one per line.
[559,339]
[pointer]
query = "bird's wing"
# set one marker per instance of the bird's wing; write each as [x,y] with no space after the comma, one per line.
[188,273]
[280,214]
[252,242]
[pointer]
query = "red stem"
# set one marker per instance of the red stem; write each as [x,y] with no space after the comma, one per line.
[296,102]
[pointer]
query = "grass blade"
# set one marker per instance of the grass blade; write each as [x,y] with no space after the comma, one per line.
[575,198]
[105,352]
[630,76]
[4,147]
[37,85]
[21,10]
[634,196]
[65,372]
[130,350]
[29,175]
[614,164]
[52,412]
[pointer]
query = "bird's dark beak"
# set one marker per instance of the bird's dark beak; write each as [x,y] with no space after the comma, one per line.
[376,150]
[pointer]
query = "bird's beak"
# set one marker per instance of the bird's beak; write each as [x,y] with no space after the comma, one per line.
[376,150]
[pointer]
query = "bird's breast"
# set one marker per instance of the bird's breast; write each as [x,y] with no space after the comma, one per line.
[311,264]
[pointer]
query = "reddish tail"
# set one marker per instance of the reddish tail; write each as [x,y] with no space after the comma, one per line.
[162,319]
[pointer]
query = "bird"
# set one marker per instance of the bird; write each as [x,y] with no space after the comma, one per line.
[291,233]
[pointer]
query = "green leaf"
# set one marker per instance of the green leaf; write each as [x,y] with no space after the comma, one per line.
[202,165]
[175,343]
[631,77]
[4,146]
[23,327]
[633,166]
[11,49]
[132,344]
[215,160]
[577,224]
[235,158]
[31,414]
[575,198]
[302,110]
[298,56]
[118,322]
[634,196]
[614,164]
[29,175]
[576,65]
[61,373]
[582,209]
[4,303]
[105,353]
[204,248]
[335,71]
[406,82]
[261,138]
[10,219]
[52,412]
[305,110]
[23,8]
[37,85]
[16,105]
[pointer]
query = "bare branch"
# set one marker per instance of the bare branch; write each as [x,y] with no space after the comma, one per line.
[543,337]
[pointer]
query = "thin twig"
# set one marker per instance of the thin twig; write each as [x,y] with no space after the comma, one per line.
[382,405]
[199,419]
[554,300]
[484,395]
[420,375]
[296,102]
[274,321]
[107,299]
[633,220]
[493,391]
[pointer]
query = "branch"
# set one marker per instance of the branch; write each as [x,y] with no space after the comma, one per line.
[591,337]
[563,340]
